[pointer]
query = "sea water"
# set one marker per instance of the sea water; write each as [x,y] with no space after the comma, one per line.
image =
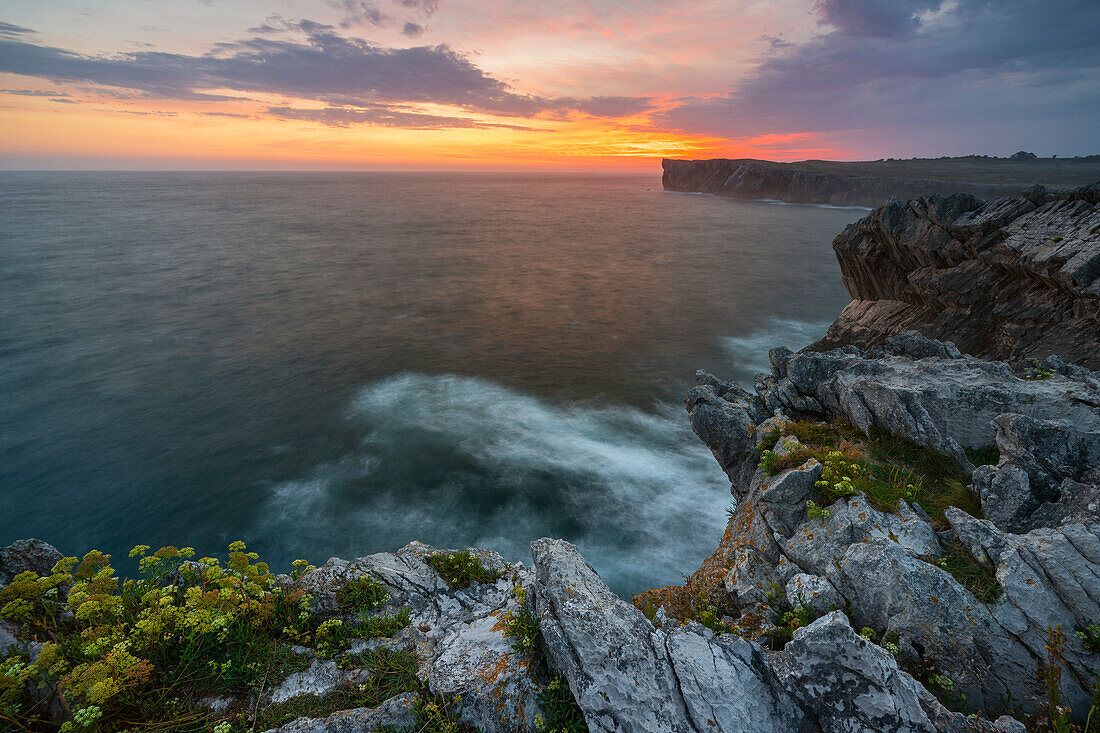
[335,364]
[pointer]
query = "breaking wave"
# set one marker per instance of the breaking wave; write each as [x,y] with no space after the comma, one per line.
[457,461]
[750,352]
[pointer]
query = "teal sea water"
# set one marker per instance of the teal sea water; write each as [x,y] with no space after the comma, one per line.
[336,364]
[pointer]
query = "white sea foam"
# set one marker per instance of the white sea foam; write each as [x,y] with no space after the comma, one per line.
[750,351]
[458,461]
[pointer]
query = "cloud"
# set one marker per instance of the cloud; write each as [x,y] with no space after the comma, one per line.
[875,18]
[898,63]
[384,116]
[33,93]
[361,12]
[324,67]
[427,7]
[8,30]
[63,100]
[278,24]
[413,30]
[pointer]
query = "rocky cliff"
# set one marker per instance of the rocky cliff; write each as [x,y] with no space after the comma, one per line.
[756,179]
[872,577]
[1008,279]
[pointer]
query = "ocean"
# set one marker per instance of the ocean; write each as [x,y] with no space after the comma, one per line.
[334,364]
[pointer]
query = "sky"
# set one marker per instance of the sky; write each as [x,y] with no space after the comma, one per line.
[539,84]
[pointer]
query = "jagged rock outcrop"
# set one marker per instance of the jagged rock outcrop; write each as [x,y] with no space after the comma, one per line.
[629,676]
[759,179]
[1042,535]
[458,633]
[1009,279]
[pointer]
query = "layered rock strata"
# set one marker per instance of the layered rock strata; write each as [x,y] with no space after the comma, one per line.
[1042,500]
[1008,279]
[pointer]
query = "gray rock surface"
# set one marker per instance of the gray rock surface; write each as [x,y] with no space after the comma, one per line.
[851,685]
[458,633]
[1042,499]
[1007,278]
[23,555]
[396,712]
[614,660]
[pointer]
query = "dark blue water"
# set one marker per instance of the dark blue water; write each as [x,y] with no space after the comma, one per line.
[336,364]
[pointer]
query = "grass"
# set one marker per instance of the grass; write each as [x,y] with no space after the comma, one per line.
[381,626]
[391,673]
[977,578]
[881,466]
[362,594]
[562,714]
[988,456]
[462,569]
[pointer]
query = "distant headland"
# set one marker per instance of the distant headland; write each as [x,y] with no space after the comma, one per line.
[870,183]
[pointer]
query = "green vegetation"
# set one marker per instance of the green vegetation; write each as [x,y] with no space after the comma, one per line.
[391,673]
[885,469]
[977,578]
[144,650]
[523,628]
[362,594]
[988,456]
[381,626]
[813,511]
[461,569]
[1056,239]
[563,715]
[1089,634]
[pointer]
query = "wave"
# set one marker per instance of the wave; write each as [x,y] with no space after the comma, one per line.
[457,461]
[750,351]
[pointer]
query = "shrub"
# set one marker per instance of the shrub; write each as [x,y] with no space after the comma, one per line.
[1089,634]
[461,569]
[362,594]
[813,511]
[523,628]
[381,626]
[145,649]
[562,713]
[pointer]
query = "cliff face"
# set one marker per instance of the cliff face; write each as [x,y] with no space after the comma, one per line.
[820,523]
[1008,279]
[754,179]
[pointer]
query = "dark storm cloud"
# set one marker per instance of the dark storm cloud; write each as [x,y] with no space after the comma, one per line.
[413,30]
[325,66]
[887,62]
[383,116]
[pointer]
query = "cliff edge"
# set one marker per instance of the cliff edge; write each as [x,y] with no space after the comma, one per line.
[1008,279]
[757,179]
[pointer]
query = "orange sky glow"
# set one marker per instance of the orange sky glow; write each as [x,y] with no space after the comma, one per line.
[525,84]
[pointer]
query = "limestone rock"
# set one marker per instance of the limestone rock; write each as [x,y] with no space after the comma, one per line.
[23,555]
[813,592]
[397,712]
[851,685]
[727,684]
[614,661]
[1012,279]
